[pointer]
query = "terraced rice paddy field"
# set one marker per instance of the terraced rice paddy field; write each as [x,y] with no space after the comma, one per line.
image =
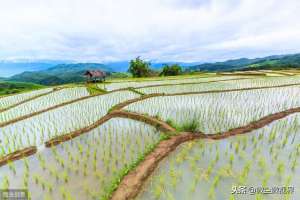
[206,136]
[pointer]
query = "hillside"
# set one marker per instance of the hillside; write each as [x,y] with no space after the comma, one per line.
[270,62]
[59,74]
[7,88]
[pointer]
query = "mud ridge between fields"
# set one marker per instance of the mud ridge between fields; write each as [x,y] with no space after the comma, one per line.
[160,125]
[132,183]
[30,99]
[17,155]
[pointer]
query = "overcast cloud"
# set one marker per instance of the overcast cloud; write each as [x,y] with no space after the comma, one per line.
[165,30]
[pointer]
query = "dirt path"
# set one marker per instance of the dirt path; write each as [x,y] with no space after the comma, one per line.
[30,99]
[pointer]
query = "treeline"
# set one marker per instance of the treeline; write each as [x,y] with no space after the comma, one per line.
[141,68]
[272,67]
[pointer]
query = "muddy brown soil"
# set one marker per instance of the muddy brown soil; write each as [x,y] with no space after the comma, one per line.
[17,155]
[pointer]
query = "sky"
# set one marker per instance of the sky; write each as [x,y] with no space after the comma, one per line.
[157,30]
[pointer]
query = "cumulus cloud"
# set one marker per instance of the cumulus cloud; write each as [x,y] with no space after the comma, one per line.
[182,30]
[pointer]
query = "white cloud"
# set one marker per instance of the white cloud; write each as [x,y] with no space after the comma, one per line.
[190,30]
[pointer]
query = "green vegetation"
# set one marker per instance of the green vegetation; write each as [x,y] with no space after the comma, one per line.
[135,91]
[171,70]
[93,89]
[7,88]
[270,62]
[139,68]
[187,126]
[121,75]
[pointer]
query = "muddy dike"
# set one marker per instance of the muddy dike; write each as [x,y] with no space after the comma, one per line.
[17,155]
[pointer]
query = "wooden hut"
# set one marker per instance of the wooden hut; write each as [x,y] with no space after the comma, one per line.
[95,75]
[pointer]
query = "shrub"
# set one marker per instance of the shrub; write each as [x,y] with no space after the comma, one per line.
[139,68]
[171,70]
[190,126]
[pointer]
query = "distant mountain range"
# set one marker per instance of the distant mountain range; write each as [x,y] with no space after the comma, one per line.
[270,62]
[59,74]
[10,68]
[51,73]
[55,72]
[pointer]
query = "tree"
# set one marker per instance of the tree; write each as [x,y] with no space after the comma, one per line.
[171,70]
[139,68]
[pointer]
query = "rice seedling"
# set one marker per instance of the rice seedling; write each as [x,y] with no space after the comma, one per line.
[97,160]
